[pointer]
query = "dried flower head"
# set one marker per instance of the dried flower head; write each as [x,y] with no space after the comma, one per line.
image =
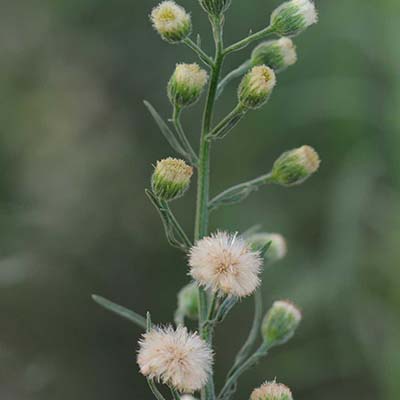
[186,84]
[171,21]
[177,358]
[295,166]
[256,87]
[271,391]
[277,245]
[280,322]
[293,17]
[226,263]
[276,54]
[171,178]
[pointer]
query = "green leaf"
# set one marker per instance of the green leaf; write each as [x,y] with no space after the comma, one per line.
[121,311]
[165,130]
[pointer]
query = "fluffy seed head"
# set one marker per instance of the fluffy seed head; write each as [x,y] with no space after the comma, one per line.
[226,263]
[293,17]
[256,87]
[280,323]
[186,84]
[175,357]
[171,21]
[171,178]
[295,166]
[272,391]
[276,54]
[277,248]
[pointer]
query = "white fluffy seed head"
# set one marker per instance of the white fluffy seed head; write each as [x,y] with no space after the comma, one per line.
[171,21]
[177,358]
[226,263]
[272,391]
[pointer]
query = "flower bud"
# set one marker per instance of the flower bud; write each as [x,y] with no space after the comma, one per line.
[272,391]
[280,323]
[186,84]
[276,54]
[215,7]
[187,397]
[293,17]
[256,87]
[171,21]
[171,178]
[295,166]
[277,248]
[188,303]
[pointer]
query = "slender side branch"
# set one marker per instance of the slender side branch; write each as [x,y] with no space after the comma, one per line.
[202,55]
[245,42]
[154,390]
[176,119]
[237,193]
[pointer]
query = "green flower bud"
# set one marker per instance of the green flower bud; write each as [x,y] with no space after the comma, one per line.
[280,323]
[276,54]
[295,166]
[277,248]
[171,21]
[293,17]
[188,302]
[171,178]
[272,391]
[215,7]
[186,84]
[256,87]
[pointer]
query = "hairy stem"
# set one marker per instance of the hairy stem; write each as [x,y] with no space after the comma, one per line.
[236,73]
[245,42]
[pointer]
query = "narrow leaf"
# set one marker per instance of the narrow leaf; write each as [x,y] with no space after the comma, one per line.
[165,130]
[121,311]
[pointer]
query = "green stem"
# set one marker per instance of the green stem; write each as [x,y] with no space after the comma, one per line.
[254,332]
[176,118]
[202,55]
[201,223]
[245,42]
[228,123]
[227,390]
[236,73]
[154,390]
[176,225]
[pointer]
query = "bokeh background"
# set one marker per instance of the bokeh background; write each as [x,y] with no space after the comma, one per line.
[76,152]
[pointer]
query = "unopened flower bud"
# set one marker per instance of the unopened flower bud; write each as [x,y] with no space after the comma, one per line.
[171,178]
[280,323]
[187,397]
[215,7]
[188,303]
[256,87]
[276,54]
[171,21]
[186,84]
[277,245]
[293,17]
[295,166]
[272,391]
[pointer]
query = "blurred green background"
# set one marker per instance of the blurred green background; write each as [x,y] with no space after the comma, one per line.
[76,152]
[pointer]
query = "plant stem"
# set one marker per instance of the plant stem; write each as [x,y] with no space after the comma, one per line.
[202,55]
[227,389]
[201,223]
[245,42]
[176,118]
[228,123]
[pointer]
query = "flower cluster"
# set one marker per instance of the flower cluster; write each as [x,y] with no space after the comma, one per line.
[223,267]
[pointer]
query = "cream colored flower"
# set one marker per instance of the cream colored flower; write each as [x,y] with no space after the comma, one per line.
[177,358]
[226,263]
[307,10]
[171,21]
[272,391]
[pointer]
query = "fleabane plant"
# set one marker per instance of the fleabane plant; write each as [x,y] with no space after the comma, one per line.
[222,267]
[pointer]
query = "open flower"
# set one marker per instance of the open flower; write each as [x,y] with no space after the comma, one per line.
[226,263]
[177,358]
